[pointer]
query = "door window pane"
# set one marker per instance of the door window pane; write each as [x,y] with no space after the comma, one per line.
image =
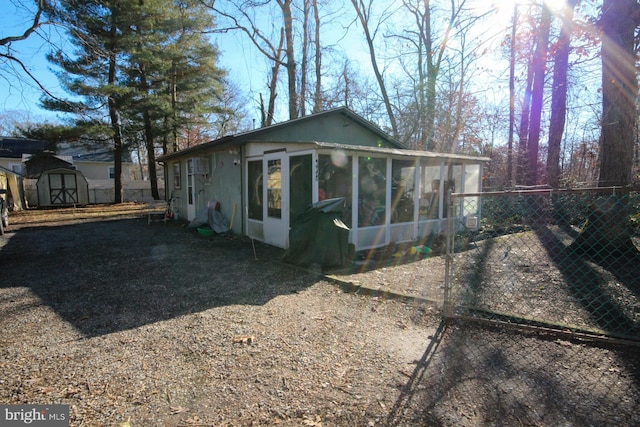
[430,192]
[177,175]
[274,188]
[300,182]
[190,181]
[254,193]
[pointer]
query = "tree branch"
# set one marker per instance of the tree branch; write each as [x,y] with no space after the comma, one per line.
[34,26]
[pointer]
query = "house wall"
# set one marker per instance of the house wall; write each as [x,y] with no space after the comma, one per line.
[100,170]
[222,182]
[226,185]
[14,165]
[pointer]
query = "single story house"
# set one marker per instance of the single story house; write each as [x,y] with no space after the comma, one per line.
[265,178]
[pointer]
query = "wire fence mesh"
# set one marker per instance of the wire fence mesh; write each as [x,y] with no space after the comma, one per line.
[564,260]
[486,374]
[541,314]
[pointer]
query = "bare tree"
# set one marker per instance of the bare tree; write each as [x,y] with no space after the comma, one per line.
[7,55]
[311,39]
[238,18]
[512,98]
[290,64]
[305,56]
[364,12]
[539,65]
[278,46]
[317,93]
[559,95]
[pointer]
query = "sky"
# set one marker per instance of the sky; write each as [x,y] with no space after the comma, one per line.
[22,94]
[246,69]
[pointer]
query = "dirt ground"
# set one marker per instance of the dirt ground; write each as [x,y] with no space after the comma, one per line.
[136,324]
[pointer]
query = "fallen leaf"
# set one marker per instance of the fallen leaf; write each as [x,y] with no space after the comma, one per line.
[309,422]
[178,410]
[46,390]
[244,339]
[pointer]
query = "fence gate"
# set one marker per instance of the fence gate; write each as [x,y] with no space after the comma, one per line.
[564,260]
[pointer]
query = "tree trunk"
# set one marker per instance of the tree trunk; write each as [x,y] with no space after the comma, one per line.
[523,132]
[114,115]
[363,17]
[291,60]
[305,58]
[151,156]
[148,138]
[607,233]
[512,99]
[619,91]
[559,96]
[317,94]
[273,84]
[537,98]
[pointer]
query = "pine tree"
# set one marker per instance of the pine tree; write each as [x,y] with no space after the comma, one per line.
[92,73]
[172,69]
[144,67]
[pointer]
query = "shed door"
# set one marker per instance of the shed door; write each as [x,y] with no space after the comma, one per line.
[276,195]
[63,188]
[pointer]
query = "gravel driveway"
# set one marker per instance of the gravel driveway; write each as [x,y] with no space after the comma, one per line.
[157,325]
[154,325]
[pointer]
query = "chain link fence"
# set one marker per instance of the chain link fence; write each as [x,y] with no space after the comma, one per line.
[559,260]
[541,314]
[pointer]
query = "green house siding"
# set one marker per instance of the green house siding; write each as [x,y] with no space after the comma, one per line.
[336,128]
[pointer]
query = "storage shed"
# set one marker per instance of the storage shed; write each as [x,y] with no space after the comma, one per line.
[62,187]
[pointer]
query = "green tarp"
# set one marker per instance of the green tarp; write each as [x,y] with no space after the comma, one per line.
[319,236]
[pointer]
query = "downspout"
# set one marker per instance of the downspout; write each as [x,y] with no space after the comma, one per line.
[243,193]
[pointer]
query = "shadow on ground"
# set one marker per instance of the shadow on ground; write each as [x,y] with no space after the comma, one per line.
[478,375]
[108,276]
[593,283]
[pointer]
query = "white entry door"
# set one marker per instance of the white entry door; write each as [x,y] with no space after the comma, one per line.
[276,194]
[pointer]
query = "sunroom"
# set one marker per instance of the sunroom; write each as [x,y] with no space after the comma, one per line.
[390,195]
